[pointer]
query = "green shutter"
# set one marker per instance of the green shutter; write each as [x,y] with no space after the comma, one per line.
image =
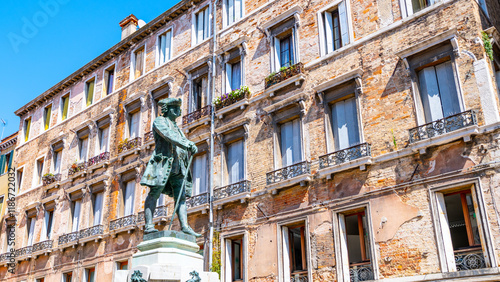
[65,108]
[11,158]
[90,92]
[2,164]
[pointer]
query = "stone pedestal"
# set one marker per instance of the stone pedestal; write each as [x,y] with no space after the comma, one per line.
[169,256]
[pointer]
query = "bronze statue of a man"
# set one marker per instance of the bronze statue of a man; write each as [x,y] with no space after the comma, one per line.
[168,166]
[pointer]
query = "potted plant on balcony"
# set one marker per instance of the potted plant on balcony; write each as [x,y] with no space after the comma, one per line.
[283,74]
[231,97]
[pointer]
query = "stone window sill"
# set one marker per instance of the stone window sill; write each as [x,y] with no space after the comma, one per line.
[294,79]
[329,171]
[240,105]
[301,179]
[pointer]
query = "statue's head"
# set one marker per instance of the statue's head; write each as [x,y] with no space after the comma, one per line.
[170,107]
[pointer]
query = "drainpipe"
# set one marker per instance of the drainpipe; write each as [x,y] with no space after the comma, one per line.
[212,132]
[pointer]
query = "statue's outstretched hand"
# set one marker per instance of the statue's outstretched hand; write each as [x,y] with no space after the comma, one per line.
[192,148]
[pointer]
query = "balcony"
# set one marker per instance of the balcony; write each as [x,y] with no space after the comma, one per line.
[97,161]
[50,178]
[299,277]
[198,203]
[232,101]
[160,215]
[24,253]
[149,139]
[127,147]
[76,169]
[69,239]
[44,247]
[286,76]
[361,272]
[196,118]
[289,176]
[355,156]
[443,126]
[122,224]
[233,192]
[94,233]
[5,258]
[469,259]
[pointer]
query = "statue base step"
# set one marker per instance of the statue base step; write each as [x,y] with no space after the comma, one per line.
[167,256]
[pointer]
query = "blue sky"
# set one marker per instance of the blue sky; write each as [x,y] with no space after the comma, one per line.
[44,41]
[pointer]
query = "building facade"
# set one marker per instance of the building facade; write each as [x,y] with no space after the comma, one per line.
[338,141]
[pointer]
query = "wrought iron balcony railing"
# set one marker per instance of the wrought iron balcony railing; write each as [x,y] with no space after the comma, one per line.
[299,277]
[123,222]
[361,272]
[68,238]
[99,158]
[197,200]
[24,251]
[160,211]
[77,167]
[42,246]
[442,126]
[5,257]
[469,259]
[345,155]
[149,137]
[288,172]
[126,144]
[196,115]
[91,231]
[231,190]
[51,178]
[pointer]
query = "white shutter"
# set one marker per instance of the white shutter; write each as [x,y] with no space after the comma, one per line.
[236,75]
[199,170]
[46,228]
[340,126]
[84,145]
[206,27]
[229,72]
[168,46]
[344,27]
[277,63]
[344,260]
[199,27]
[238,10]
[328,32]
[98,208]
[297,141]
[445,233]
[31,231]
[129,198]
[447,89]
[134,125]
[286,144]
[104,145]
[286,253]
[57,162]
[235,162]
[409,8]
[76,216]
[429,92]
[230,11]
[162,48]
[352,121]
[228,267]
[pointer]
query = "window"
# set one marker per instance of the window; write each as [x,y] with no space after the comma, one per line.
[334,28]
[164,46]
[57,150]
[97,203]
[109,80]
[233,75]
[234,10]
[137,64]
[199,94]
[409,7]
[47,225]
[104,139]
[134,124]
[235,161]
[6,162]
[294,252]
[89,92]
[1,204]
[75,209]
[64,106]
[90,274]
[26,129]
[38,172]
[122,265]
[19,178]
[128,198]
[290,142]
[158,94]
[30,229]
[40,280]
[436,81]
[345,123]
[83,146]
[284,52]
[233,270]
[460,224]
[354,243]
[68,277]
[46,117]
[200,174]
[202,25]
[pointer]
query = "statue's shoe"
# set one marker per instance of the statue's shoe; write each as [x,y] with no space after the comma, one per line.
[190,231]
[150,229]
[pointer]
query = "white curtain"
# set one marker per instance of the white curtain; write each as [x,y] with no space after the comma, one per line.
[103,139]
[98,201]
[31,230]
[235,160]
[76,216]
[199,174]
[134,125]
[47,226]
[291,151]
[345,123]
[129,198]
[84,144]
[57,162]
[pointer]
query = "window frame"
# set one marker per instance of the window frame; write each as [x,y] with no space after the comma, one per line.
[133,62]
[105,77]
[200,72]
[341,253]
[203,154]
[227,138]
[79,146]
[288,115]
[19,182]
[279,141]
[27,122]
[54,158]
[227,238]
[225,13]
[65,275]
[73,213]
[47,113]
[447,263]
[208,22]
[61,107]
[129,122]
[321,26]
[29,221]
[48,233]
[158,61]
[87,271]
[283,268]
[85,91]
[39,181]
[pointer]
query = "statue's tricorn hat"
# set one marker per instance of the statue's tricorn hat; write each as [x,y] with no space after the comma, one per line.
[170,102]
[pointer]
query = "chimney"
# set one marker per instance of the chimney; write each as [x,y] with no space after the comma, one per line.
[128,25]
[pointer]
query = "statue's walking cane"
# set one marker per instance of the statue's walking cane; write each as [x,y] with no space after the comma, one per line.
[180,194]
